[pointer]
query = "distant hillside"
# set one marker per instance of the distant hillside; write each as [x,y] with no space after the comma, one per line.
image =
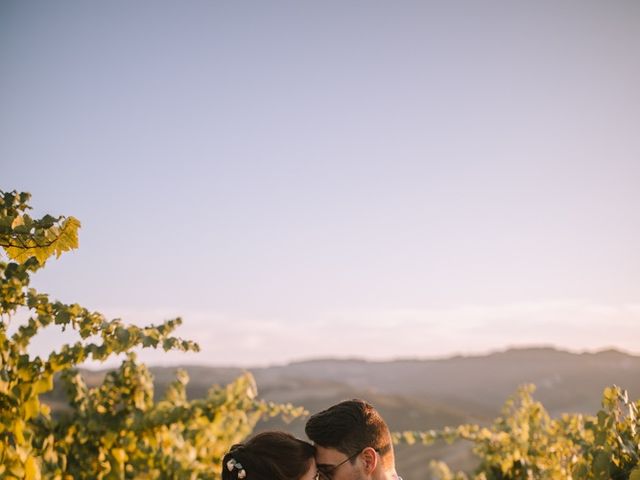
[477,385]
[425,394]
[566,382]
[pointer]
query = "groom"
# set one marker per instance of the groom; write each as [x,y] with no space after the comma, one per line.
[352,443]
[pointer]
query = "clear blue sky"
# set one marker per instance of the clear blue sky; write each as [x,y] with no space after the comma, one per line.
[336,178]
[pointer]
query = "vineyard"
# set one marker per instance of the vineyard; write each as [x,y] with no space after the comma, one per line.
[118,429]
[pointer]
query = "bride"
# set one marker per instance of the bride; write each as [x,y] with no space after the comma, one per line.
[270,456]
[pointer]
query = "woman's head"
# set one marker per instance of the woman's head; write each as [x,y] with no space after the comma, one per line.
[269,456]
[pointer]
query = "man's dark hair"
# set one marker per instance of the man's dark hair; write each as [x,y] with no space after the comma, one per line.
[350,427]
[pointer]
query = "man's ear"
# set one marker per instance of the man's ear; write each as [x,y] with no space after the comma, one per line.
[369,460]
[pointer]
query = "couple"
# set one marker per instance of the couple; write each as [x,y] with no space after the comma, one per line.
[351,442]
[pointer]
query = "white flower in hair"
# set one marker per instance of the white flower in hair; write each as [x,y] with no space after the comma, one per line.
[232,463]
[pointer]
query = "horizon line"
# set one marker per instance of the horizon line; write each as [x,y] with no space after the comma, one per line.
[469,355]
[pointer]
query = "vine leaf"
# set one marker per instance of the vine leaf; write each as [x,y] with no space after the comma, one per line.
[58,239]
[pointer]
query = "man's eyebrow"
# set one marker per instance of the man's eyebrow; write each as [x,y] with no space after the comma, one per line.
[324,465]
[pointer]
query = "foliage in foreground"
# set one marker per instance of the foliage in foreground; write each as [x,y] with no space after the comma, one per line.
[115,430]
[525,443]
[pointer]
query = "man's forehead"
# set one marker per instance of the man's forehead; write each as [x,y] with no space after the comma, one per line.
[328,456]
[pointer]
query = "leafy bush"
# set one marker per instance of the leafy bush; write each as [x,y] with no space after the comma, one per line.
[526,443]
[116,430]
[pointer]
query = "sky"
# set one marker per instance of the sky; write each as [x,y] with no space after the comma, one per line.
[335,179]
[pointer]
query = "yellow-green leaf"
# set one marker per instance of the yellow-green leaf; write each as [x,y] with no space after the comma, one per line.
[31,469]
[45,384]
[31,408]
[64,240]
[119,454]
[17,222]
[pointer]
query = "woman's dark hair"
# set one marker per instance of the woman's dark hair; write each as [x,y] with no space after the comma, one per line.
[268,456]
[349,427]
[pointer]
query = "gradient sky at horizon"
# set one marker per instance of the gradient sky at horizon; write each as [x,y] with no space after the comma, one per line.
[304,179]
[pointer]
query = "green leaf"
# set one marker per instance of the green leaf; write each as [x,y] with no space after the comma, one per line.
[635,474]
[601,465]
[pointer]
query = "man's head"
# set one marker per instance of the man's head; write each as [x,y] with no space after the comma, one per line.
[352,441]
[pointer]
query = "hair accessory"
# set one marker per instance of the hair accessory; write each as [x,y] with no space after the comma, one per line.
[232,463]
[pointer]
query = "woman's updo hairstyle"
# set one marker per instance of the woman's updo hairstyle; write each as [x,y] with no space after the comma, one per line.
[268,456]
